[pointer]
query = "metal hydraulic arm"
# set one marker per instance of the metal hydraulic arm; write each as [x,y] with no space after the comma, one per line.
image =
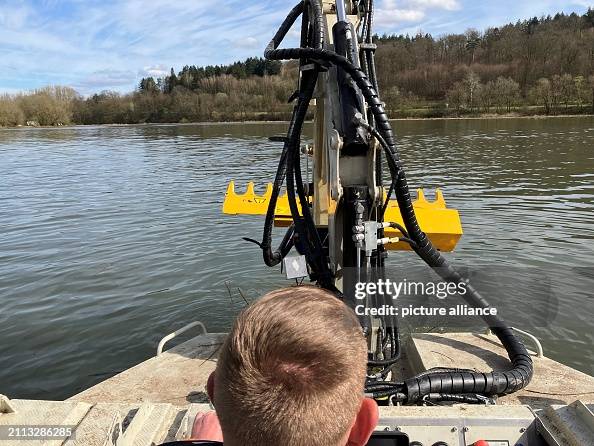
[344,221]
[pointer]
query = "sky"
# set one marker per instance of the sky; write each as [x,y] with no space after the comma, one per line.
[95,45]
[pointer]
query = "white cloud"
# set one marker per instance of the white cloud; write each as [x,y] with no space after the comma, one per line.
[247,43]
[448,5]
[394,13]
[99,43]
[14,16]
[394,17]
[106,80]
[159,70]
[584,3]
[10,91]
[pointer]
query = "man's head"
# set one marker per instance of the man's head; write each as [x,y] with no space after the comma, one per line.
[292,372]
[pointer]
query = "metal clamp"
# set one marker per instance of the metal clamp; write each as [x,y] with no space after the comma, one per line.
[534,339]
[170,336]
[368,46]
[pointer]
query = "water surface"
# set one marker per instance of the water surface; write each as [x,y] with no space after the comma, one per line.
[112,237]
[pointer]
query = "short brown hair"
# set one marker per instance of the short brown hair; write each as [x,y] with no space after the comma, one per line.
[291,372]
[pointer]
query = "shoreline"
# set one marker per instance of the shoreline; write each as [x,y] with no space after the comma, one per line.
[250,122]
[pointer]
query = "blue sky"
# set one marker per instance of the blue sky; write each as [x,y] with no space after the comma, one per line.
[93,45]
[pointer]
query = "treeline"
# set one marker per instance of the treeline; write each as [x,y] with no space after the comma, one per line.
[191,77]
[47,106]
[426,71]
[538,66]
[219,98]
[502,95]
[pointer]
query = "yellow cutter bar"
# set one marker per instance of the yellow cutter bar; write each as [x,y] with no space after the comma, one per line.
[442,225]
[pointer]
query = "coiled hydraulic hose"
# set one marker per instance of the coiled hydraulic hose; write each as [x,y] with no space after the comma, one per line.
[312,34]
[417,388]
[273,258]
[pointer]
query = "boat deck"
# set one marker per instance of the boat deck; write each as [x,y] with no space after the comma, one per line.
[157,400]
[179,375]
[100,424]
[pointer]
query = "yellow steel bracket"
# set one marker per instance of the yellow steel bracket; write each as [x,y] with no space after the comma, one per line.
[441,224]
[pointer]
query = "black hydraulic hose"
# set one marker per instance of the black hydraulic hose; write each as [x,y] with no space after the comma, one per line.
[465,399]
[305,31]
[395,352]
[318,23]
[371,384]
[387,363]
[493,383]
[287,24]
[410,241]
[395,346]
[379,392]
[370,52]
[369,64]
[380,388]
[403,231]
[370,7]
[388,196]
[287,242]
[304,225]
[308,83]
[273,258]
[445,369]
[387,393]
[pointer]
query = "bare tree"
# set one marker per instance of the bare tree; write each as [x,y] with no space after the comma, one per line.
[47,106]
[542,94]
[591,82]
[556,91]
[568,92]
[471,83]
[488,96]
[507,92]
[582,92]
[10,113]
[456,96]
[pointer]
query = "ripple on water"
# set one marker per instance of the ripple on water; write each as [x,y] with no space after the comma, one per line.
[112,237]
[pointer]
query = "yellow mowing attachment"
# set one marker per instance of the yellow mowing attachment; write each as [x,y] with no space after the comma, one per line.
[441,224]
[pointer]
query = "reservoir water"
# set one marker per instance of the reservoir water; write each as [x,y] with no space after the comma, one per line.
[112,237]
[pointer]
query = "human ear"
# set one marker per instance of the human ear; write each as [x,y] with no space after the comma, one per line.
[365,423]
[210,385]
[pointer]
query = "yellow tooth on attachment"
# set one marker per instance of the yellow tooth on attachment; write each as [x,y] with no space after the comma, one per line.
[442,225]
[422,201]
[246,204]
[250,203]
